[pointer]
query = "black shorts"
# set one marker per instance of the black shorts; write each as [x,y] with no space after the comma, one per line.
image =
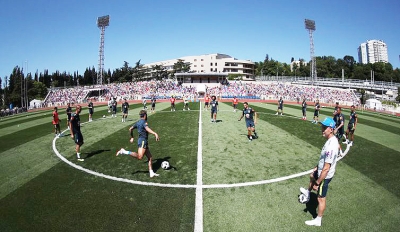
[316,113]
[78,138]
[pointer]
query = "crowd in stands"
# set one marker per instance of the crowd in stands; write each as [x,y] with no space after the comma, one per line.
[9,112]
[166,88]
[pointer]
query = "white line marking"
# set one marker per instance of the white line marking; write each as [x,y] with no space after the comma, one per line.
[198,186]
[198,216]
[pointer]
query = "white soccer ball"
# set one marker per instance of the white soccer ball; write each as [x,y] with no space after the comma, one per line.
[165,165]
[104,116]
[303,199]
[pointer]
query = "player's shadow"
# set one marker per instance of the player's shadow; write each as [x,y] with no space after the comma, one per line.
[311,205]
[218,120]
[252,137]
[93,153]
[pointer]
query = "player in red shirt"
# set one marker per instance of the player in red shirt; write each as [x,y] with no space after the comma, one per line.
[235,101]
[56,123]
[172,100]
[207,102]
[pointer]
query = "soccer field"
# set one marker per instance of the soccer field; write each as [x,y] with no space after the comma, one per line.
[218,181]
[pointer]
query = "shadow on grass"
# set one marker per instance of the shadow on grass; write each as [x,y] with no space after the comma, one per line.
[93,153]
[311,205]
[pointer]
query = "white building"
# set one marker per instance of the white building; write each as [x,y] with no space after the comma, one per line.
[212,64]
[373,51]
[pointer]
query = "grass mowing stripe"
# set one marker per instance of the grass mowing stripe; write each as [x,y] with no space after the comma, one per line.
[64,199]
[25,117]
[22,136]
[382,126]
[178,145]
[368,157]
[375,161]
[374,134]
[33,157]
[229,158]
[20,164]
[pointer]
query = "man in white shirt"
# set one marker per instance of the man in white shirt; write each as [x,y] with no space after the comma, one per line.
[324,171]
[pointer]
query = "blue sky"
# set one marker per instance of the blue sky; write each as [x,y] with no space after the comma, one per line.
[63,35]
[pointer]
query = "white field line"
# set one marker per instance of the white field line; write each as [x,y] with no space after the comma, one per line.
[197,186]
[198,217]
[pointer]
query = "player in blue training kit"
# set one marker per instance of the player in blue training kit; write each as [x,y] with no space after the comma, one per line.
[351,127]
[75,129]
[251,120]
[90,107]
[125,109]
[280,107]
[214,108]
[304,109]
[142,141]
[316,112]
[338,117]
[114,108]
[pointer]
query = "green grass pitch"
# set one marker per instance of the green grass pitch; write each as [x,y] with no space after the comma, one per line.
[242,187]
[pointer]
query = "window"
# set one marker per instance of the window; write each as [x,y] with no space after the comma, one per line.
[215,64]
[210,64]
[202,60]
[211,69]
[195,65]
[195,59]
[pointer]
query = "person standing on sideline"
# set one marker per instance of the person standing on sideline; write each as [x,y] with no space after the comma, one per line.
[351,127]
[124,108]
[214,109]
[206,102]
[172,100]
[280,107]
[142,141]
[144,101]
[114,108]
[75,129]
[251,120]
[304,109]
[235,102]
[324,171]
[153,104]
[56,123]
[316,112]
[110,101]
[69,112]
[90,107]
[186,103]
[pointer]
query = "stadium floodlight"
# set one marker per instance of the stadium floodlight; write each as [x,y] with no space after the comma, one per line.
[310,26]
[102,23]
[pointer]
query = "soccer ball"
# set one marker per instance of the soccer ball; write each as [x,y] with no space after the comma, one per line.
[104,116]
[165,165]
[303,199]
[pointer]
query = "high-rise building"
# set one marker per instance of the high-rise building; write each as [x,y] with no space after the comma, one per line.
[373,51]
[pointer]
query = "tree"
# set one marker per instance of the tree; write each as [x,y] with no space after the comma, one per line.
[138,72]
[38,91]
[159,72]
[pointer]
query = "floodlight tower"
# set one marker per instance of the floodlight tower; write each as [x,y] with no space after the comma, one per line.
[310,26]
[102,23]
